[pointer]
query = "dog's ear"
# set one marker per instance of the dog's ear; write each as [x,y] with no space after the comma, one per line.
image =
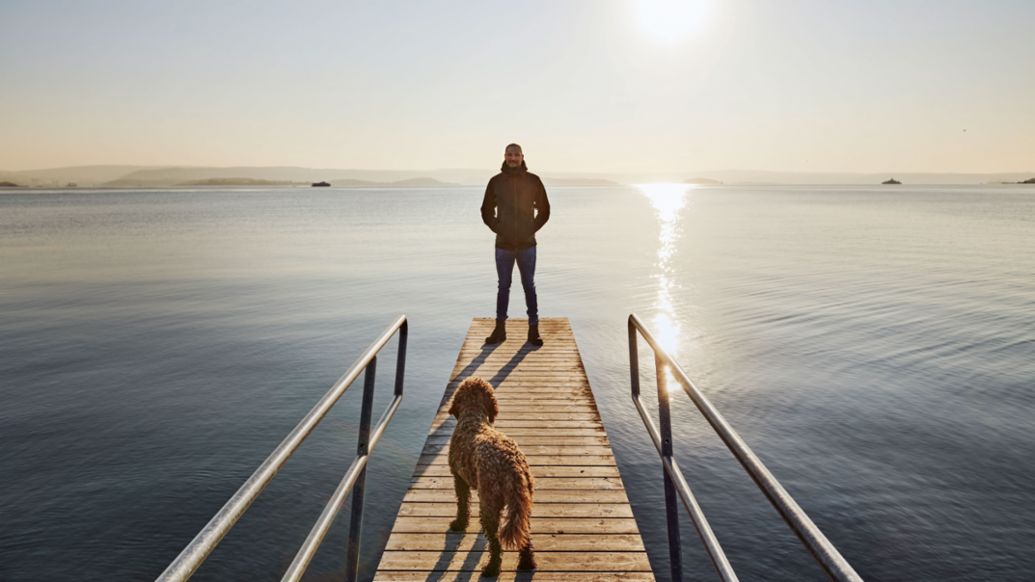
[456,406]
[492,408]
[461,397]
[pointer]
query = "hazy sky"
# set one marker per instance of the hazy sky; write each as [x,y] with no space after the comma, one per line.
[594,85]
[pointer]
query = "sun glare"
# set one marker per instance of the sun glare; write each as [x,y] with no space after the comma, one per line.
[670,21]
[668,201]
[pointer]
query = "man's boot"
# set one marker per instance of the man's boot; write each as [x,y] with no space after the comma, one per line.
[499,333]
[533,335]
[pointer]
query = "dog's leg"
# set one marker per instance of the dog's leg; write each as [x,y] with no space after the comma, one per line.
[490,518]
[527,560]
[463,504]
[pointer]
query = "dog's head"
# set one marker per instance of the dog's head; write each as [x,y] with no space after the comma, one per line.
[474,395]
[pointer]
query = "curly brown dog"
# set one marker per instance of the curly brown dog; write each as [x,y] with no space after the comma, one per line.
[483,458]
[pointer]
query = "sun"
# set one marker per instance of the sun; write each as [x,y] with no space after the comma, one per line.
[671,21]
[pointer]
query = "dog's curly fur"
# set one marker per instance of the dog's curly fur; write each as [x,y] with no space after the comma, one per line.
[483,458]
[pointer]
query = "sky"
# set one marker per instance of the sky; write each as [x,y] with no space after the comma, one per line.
[591,86]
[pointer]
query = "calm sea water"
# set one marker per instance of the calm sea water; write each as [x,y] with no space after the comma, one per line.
[875,346]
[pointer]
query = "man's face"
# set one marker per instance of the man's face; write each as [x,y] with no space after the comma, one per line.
[513,157]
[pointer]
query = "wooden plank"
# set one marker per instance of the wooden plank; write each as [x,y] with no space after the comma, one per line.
[560,399]
[545,525]
[518,413]
[446,509]
[513,389]
[539,472]
[548,399]
[564,357]
[572,378]
[547,421]
[507,425]
[536,389]
[546,418]
[564,365]
[534,439]
[514,416]
[540,483]
[571,428]
[547,561]
[506,576]
[466,541]
[557,397]
[547,385]
[537,450]
[560,361]
[542,496]
[582,524]
[535,460]
[554,430]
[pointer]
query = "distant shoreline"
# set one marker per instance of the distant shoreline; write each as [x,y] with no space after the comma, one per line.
[390,187]
[289,176]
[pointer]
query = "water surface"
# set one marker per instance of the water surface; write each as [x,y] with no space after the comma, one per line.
[875,346]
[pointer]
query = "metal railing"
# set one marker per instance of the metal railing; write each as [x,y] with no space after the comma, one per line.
[822,550]
[191,558]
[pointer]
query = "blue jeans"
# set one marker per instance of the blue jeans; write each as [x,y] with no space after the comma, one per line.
[525,259]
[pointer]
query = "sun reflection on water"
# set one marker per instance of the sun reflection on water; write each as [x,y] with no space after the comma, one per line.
[667,200]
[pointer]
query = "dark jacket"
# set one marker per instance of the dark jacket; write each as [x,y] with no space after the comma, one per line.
[512,198]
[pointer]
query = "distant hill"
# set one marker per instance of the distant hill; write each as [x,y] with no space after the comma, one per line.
[169,176]
[353,183]
[702,181]
[422,182]
[82,175]
[175,176]
[552,181]
[239,182]
[820,178]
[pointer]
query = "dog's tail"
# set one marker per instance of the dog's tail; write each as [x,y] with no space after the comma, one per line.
[517,522]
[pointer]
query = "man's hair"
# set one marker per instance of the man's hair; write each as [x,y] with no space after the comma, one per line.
[514,145]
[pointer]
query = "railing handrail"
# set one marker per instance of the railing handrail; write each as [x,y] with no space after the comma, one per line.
[817,543]
[192,556]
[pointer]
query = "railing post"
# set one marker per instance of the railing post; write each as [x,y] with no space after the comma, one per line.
[634,359]
[356,517]
[671,501]
[400,361]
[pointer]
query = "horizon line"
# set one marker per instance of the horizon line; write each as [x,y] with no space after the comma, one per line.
[479,169]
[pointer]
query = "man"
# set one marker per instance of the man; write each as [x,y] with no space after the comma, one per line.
[515,207]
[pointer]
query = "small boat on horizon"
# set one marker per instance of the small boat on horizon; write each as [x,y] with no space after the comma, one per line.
[321,184]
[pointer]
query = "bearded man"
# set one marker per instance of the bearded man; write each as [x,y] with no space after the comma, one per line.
[515,207]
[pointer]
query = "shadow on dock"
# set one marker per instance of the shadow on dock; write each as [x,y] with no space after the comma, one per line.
[452,546]
[446,428]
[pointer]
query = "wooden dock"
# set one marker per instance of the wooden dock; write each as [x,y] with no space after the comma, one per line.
[582,523]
